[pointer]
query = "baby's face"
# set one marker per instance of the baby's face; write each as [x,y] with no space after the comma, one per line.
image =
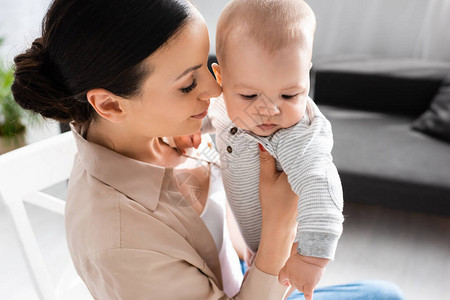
[263,91]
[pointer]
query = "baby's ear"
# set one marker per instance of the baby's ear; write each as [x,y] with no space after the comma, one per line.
[217,72]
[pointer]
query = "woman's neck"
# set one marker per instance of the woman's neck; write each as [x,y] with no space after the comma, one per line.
[146,149]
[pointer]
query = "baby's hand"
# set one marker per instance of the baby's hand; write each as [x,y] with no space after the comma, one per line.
[188,141]
[302,272]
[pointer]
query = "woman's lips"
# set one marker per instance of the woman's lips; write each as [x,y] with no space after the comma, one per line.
[267,127]
[202,115]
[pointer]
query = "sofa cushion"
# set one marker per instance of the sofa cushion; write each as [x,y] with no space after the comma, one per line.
[400,86]
[436,120]
[381,160]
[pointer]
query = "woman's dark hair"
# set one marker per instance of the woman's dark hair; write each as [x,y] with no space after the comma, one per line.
[89,44]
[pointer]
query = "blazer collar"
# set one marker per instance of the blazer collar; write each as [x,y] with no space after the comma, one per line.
[138,180]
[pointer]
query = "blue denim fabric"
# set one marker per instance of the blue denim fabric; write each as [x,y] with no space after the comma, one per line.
[359,290]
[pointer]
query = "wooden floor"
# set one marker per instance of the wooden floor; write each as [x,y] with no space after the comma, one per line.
[410,249]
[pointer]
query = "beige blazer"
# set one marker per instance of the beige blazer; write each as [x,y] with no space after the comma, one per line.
[130,238]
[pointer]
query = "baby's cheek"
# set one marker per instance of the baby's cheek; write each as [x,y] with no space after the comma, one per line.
[245,124]
[292,116]
[233,113]
[239,114]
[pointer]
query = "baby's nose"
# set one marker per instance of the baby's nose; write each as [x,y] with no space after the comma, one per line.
[268,109]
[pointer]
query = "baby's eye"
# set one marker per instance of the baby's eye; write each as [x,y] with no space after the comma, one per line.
[288,97]
[249,97]
[190,88]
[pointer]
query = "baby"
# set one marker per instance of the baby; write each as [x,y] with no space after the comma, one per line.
[264,50]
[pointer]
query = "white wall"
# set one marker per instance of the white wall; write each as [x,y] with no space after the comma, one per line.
[210,9]
[363,27]
[380,28]
[20,24]
[383,28]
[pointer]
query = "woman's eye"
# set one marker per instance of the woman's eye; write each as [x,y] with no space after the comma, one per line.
[287,97]
[190,88]
[249,97]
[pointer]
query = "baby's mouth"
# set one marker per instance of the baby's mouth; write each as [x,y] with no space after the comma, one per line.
[267,127]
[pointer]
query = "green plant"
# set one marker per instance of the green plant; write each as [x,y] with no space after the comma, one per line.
[12,116]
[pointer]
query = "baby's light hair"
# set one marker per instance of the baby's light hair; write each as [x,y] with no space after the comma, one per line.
[272,24]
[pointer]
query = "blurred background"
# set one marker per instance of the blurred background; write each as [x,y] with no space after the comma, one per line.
[403,238]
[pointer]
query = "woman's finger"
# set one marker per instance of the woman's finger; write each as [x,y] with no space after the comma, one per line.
[183,142]
[283,277]
[268,168]
[196,139]
[308,293]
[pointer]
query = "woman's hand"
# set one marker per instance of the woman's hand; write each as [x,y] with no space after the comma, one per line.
[188,141]
[279,212]
[278,201]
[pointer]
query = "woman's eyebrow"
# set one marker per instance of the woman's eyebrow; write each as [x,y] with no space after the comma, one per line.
[188,70]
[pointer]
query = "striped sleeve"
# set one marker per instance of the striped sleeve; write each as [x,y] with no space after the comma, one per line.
[304,152]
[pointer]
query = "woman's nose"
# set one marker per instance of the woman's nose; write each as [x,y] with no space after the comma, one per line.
[211,88]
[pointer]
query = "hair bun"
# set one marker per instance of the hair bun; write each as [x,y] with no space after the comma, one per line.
[37,47]
[36,86]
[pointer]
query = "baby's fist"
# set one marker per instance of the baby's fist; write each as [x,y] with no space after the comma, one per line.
[302,272]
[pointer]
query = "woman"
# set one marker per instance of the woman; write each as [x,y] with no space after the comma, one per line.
[142,220]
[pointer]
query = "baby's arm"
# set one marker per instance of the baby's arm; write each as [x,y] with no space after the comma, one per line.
[304,153]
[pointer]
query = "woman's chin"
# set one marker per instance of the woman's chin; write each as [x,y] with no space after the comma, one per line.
[190,128]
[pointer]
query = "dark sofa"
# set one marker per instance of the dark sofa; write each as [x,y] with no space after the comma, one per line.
[372,105]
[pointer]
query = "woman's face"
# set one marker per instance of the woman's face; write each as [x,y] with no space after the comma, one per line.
[175,96]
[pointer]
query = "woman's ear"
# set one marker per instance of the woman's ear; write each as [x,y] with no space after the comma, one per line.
[106,104]
[217,73]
